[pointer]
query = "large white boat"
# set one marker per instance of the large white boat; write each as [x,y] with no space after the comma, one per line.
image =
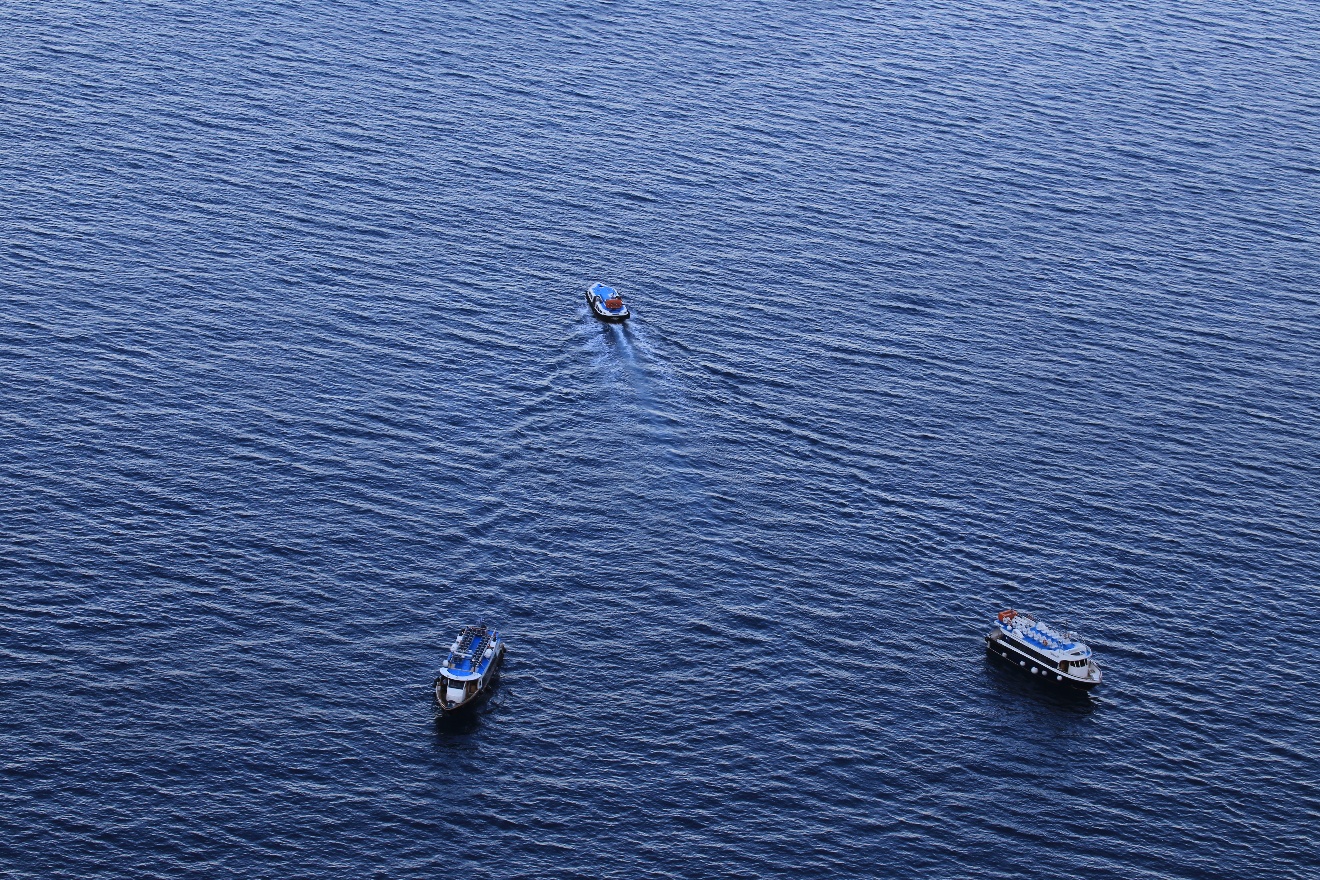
[1041,650]
[471,668]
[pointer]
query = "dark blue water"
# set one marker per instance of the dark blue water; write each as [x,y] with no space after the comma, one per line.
[939,308]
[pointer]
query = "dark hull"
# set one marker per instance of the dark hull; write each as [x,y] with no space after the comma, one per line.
[1004,653]
[607,317]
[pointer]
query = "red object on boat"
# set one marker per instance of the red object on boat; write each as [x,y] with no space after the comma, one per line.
[616,303]
[1006,616]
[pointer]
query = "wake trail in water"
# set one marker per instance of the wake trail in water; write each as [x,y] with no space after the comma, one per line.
[668,419]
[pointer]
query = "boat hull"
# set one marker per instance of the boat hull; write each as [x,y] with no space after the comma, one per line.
[484,687]
[598,309]
[1005,653]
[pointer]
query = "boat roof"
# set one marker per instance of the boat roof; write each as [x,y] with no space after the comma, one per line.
[1043,636]
[604,291]
[465,660]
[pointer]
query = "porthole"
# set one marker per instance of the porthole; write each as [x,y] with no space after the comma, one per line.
[1022,663]
[1034,670]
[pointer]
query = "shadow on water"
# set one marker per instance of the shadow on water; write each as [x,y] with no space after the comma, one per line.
[461,724]
[1009,681]
[470,720]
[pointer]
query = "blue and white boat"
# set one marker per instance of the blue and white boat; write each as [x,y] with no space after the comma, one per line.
[606,303]
[1041,650]
[471,668]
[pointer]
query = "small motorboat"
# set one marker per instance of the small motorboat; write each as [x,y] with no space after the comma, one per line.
[606,303]
[1039,649]
[471,668]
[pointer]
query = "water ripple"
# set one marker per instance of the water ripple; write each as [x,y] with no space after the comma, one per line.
[938,309]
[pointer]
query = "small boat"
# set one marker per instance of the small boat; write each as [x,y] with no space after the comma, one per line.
[606,303]
[1043,651]
[471,668]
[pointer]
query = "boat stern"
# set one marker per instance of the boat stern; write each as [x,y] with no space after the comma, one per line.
[607,304]
[454,694]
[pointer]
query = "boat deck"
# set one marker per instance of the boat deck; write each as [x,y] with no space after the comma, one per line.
[1041,636]
[465,658]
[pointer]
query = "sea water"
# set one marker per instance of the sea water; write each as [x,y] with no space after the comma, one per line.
[938,309]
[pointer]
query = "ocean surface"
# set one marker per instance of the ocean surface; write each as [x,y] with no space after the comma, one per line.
[939,308]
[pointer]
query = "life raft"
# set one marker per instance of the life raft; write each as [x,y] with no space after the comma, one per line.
[616,303]
[1006,616]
